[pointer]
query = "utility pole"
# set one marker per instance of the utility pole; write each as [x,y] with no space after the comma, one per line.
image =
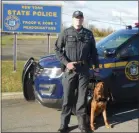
[120,19]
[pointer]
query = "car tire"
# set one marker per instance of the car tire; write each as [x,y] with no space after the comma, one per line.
[29,92]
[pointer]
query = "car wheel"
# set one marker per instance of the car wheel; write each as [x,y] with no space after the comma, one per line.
[27,79]
[29,88]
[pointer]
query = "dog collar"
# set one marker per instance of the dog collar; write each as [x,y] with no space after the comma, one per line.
[101,100]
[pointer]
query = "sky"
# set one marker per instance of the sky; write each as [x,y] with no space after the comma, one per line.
[102,14]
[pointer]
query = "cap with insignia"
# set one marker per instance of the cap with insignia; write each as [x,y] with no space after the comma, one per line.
[77,14]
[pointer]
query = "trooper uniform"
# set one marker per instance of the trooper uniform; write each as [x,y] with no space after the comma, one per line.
[76,46]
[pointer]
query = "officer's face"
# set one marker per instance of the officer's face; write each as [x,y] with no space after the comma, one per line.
[78,21]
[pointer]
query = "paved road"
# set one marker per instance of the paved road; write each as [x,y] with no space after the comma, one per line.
[22,116]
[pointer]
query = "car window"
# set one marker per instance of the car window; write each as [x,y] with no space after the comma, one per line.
[117,41]
[113,41]
[131,49]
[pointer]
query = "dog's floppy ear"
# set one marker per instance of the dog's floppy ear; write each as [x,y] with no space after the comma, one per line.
[95,96]
[106,91]
[102,84]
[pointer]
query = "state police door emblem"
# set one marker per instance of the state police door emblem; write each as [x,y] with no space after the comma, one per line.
[12,22]
[132,70]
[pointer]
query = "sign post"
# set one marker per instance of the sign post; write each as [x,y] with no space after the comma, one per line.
[48,43]
[15,51]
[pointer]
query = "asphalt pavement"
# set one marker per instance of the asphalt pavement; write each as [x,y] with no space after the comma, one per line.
[19,115]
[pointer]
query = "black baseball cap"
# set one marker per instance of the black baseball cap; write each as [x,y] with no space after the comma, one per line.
[77,14]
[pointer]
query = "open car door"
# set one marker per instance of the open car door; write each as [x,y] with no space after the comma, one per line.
[27,79]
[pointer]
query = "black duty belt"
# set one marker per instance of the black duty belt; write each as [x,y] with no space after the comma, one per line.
[81,62]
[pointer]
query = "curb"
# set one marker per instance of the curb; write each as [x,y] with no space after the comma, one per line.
[12,95]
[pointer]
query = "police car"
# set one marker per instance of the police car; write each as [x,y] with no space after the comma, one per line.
[119,69]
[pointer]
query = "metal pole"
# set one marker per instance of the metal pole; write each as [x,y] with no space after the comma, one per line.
[48,43]
[15,51]
[120,19]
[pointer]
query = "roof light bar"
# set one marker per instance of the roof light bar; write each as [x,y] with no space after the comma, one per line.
[137,24]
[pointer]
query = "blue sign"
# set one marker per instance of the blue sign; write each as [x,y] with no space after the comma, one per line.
[31,18]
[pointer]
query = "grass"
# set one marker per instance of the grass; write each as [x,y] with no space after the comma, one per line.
[11,81]
[8,39]
[98,38]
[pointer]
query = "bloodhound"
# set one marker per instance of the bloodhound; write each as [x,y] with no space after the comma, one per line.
[98,104]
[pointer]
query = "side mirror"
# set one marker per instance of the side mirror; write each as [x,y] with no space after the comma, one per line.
[123,54]
[120,56]
[109,53]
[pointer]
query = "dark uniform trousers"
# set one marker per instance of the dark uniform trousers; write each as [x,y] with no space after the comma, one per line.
[72,81]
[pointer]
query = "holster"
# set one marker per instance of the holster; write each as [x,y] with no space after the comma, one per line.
[63,67]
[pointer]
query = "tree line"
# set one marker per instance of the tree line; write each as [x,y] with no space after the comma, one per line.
[98,32]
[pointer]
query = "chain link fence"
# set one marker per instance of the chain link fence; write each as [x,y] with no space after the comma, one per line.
[27,46]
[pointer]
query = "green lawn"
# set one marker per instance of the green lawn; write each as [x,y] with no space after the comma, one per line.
[11,81]
[8,39]
[98,38]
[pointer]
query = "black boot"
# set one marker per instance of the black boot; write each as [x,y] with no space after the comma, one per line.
[82,124]
[83,129]
[63,129]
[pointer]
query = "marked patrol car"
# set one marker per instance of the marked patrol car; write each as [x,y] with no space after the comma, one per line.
[119,69]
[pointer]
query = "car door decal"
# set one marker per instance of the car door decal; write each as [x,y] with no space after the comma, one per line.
[132,70]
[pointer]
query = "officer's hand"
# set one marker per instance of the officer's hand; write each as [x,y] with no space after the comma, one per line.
[96,70]
[70,65]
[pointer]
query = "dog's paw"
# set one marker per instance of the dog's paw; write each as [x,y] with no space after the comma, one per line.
[108,126]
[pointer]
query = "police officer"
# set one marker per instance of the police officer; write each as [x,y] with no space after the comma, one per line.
[75,48]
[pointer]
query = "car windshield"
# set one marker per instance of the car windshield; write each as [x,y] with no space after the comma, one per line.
[113,41]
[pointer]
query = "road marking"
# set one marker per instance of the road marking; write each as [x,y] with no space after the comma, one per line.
[126,112]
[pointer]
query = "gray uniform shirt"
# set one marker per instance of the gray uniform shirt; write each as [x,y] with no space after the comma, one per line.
[72,45]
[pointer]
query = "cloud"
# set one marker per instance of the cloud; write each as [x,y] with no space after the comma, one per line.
[95,11]
[81,3]
[101,12]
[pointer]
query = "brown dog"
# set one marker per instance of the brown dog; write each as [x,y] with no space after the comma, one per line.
[98,104]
